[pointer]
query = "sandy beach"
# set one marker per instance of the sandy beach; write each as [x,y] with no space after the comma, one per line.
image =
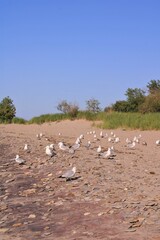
[117,198]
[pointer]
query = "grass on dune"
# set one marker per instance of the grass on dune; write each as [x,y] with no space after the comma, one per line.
[110,120]
[48,118]
[147,121]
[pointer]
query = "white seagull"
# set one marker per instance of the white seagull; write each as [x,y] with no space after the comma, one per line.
[69,174]
[62,146]
[158,142]
[99,149]
[19,160]
[26,147]
[49,151]
[108,153]
[131,145]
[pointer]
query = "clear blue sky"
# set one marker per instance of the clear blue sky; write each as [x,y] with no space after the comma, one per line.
[51,50]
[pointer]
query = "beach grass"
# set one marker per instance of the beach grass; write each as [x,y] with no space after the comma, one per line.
[110,120]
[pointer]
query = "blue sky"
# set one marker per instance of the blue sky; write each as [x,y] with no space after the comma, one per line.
[75,50]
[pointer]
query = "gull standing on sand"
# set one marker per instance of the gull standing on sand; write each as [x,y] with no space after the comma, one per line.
[107,154]
[131,145]
[158,142]
[78,141]
[101,134]
[49,151]
[19,160]
[69,174]
[26,147]
[99,149]
[88,144]
[76,146]
[117,139]
[51,146]
[62,146]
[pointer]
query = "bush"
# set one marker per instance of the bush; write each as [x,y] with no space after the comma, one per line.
[68,108]
[19,120]
[151,103]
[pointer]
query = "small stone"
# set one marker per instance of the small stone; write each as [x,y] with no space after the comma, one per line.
[32,216]
[10,180]
[50,175]
[101,213]
[17,225]
[87,213]
[3,230]
[46,228]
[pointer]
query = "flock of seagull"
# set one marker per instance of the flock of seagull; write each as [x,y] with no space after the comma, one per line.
[108,154]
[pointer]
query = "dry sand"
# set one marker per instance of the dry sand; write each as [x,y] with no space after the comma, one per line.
[108,198]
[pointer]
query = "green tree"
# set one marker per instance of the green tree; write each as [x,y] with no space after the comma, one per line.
[153,86]
[120,106]
[92,105]
[7,110]
[135,97]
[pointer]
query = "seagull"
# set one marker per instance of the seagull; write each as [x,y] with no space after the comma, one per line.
[41,135]
[117,140]
[110,139]
[144,143]
[99,149]
[19,160]
[131,145]
[26,147]
[78,140]
[76,146]
[107,154]
[62,146]
[158,142]
[88,145]
[51,146]
[136,139]
[95,137]
[38,136]
[128,141]
[81,136]
[49,151]
[69,174]
[101,134]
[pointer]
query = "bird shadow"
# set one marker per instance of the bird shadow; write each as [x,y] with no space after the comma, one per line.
[70,179]
[73,179]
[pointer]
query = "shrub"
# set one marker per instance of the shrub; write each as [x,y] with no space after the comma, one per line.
[151,103]
[19,120]
[68,108]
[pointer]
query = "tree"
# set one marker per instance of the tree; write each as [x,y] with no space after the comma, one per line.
[135,97]
[7,110]
[92,105]
[153,86]
[68,108]
[121,106]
